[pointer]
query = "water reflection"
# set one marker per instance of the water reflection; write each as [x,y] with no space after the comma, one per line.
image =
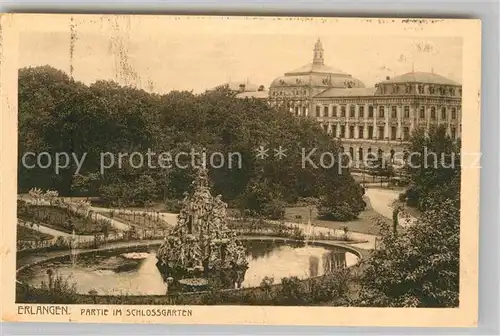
[135,272]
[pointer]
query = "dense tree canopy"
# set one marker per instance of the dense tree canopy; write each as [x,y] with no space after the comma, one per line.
[433,164]
[419,266]
[58,114]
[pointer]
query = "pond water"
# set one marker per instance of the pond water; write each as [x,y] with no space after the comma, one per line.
[134,272]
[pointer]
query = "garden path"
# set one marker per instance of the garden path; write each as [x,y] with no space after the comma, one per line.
[381,201]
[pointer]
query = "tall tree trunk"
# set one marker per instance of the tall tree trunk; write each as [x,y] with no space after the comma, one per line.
[395,223]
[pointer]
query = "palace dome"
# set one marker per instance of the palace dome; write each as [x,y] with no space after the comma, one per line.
[421,77]
[317,74]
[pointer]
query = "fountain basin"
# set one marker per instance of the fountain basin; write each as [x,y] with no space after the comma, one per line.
[103,271]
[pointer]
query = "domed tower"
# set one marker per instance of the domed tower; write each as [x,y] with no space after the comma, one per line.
[318,54]
[296,88]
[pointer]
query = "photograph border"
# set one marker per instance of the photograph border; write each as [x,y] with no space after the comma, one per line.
[465,315]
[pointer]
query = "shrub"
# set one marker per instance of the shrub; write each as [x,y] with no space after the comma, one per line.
[292,292]
[62,291]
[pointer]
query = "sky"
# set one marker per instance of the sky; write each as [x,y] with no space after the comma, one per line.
[164,54]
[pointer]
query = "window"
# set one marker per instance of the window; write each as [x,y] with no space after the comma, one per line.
[360,154]
[433,113]
[381,112]
[370,111]
[381,132]
[342,111]
[352,111]
[351,132]
[394,112]
[297,112]
[395,89]
[370,132]
[361,111]
[432,90]
[334,130]
[334,111]
[325,111]
[304,110]
[342,131]
[361,130]
[406,133]
[443,113]
[452,91]
[406,112]
[422,112]
[318,111]
[453,133]
[453,113]
[393,133]
[421,89]
[351,153]
[325,127]
[408,88]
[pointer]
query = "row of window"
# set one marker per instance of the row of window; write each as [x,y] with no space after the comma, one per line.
[370,154]
[289,93]
[393,133]
[381,112]
[421,89]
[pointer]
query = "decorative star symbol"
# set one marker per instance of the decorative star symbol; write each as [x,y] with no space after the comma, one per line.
[262,152]
[280,152]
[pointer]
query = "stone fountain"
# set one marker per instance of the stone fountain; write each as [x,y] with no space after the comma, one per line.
[200,247]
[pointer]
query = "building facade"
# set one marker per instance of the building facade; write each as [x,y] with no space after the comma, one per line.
[377,119]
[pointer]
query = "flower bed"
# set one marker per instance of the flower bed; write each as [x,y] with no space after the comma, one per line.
[62,219]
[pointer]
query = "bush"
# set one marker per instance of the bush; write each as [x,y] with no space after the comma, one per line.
[341,212]
[342,200]
[274,210]
[61,291]
[292,292]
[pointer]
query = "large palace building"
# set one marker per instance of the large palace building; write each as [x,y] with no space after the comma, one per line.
[367,119]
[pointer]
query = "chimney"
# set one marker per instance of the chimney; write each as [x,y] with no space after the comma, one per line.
[387,77]
[261,87]
[242,87]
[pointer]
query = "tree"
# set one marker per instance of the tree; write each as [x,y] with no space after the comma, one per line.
[262,200]
[58,114]
[433,164]
[419,266]
[341,197]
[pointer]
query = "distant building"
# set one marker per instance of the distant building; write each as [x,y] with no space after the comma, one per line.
[376,119]
[244,89]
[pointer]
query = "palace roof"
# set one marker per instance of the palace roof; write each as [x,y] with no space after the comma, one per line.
[421,77]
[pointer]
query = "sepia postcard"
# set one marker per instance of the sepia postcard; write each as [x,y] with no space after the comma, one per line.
[240,170]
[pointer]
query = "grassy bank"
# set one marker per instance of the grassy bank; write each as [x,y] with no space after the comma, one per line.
[27,234]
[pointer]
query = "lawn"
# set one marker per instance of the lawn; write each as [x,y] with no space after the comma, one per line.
[364,223]
[27,234]
[61,219]
[300,214]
